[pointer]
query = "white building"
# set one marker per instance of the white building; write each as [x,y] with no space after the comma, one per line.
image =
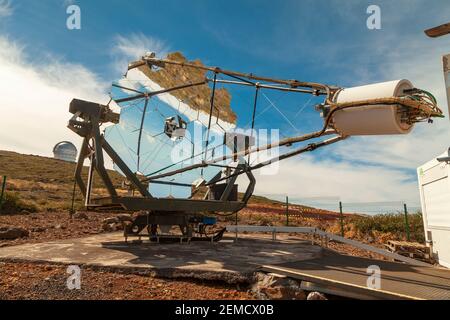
[434,184]
[66,151]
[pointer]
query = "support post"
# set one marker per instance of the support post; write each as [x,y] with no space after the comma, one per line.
[341,218]
[90,180]
[72,211]
[250,187]
[3,192]
[230,184]
[236,236]
[84,153]
[408,235]
[287,211]
[99,163]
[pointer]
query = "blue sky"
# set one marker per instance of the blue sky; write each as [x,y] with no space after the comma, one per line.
[321,41]
[317,40]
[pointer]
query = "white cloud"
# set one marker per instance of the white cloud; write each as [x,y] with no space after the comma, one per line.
[5,8]
[35,99]
[420,62]
[308,177]
[134,46]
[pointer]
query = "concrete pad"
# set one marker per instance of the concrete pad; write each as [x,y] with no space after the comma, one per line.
[230,261]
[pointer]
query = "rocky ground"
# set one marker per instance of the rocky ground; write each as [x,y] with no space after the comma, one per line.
[40,190]
[47,226]
[46,281]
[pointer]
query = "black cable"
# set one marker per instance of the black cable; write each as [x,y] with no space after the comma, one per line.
[210,115]
[241,79]
[140,135]
[255,103]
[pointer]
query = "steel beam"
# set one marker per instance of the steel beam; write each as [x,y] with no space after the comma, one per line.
[182,205]
[124,168]
[99,163]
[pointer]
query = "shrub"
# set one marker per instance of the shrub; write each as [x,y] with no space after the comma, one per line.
[12,204]
[391,223]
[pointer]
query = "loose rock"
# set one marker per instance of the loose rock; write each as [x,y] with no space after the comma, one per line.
[124,217]
[80,215]
[316,296]
[11,233]
[110,227]
[275,287]
[110,221]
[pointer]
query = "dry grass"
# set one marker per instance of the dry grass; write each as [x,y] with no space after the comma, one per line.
[45,183]
[388,226]
[371,229]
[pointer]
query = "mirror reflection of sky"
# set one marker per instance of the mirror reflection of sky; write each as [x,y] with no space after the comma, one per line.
[152,151]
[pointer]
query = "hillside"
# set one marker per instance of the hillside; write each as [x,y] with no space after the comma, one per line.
[45,182]
[48,183]
[45,185]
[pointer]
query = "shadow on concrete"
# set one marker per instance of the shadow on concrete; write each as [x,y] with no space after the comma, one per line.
[245,255]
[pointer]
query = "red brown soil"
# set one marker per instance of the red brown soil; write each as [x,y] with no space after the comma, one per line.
[47,281]
[299,211]
[44,281]
[50,226]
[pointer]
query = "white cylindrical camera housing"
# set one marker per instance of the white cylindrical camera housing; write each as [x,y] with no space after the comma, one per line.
[372,119]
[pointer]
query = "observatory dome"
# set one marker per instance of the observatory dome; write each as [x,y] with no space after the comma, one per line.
[66,151]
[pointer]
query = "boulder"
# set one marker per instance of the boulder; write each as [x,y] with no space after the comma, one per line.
[110,220]
[110,227]
[12,233]
[124,217]
[140,213]
[117,223]
[275,287]
[316,296]
[34,216]
[38,229]
[79,215]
